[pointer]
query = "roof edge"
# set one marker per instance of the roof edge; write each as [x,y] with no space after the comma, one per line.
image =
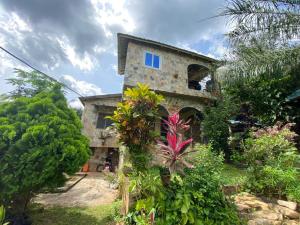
[93,97]
[159,44]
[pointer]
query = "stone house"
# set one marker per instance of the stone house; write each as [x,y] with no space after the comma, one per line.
[186,80]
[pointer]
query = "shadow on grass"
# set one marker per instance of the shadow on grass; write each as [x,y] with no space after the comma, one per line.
[98,215]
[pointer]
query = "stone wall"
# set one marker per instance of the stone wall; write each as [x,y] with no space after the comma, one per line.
[99,137]
[171,77]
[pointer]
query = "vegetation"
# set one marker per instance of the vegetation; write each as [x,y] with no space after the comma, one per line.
[40,140]
[215,124]
[272,159]
[103,214]
[268,97]
[194,198]
[175,150]
[134,120]
[263,37]
[191,196]
[2,215]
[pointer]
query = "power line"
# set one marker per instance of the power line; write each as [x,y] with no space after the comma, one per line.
[49,77]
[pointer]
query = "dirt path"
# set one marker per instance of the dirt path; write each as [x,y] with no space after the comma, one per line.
[90,191]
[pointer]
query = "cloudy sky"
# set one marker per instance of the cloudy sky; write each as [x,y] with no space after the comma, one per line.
[75,40]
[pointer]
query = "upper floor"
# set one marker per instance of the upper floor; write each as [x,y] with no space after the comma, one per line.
[165,68]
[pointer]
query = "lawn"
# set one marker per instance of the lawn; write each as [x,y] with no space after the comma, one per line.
[232,175]
[97,215]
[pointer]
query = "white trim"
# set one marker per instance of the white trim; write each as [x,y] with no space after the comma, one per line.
[151,67]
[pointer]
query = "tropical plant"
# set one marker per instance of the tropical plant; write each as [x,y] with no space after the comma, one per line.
[195,198]
[175,149]
[267,97]
[40,140]
[264,38]
[134,121]
[2,215]
[280,19]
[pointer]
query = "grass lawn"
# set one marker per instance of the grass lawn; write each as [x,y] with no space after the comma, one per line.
[97,215]
[232,175]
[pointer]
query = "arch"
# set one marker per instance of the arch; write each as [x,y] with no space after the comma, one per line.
[163,115]
[195,117]
[199,77]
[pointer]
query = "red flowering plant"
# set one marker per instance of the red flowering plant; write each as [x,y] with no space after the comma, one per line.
[175,149]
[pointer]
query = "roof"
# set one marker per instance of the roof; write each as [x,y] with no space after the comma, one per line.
[96,97]
[295,95]
[124,39]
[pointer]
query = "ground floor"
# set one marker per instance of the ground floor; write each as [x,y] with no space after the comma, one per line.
[103,158]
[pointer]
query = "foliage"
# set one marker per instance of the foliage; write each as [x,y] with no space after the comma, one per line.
[231,175]
[267,97]
[29,83]
[134,120]
[263,38]
[194,198]
[272,162]
[40,140]
[175,149]
[206,157]
[215,124]
[280,20]
[2,215]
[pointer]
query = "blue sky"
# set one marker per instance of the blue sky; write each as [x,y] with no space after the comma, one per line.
[75,41]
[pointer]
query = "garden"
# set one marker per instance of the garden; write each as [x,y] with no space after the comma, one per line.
[246,172]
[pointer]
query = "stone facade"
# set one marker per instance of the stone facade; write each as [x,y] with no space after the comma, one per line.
[171,79]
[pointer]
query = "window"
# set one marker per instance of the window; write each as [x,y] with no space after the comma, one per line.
[103,122]
[152,60]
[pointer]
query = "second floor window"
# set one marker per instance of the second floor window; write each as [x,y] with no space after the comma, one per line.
[152,60]
[103,122]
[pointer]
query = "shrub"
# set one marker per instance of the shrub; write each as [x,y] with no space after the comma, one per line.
[272,164]
[134,121]
[215,124]
[40,140]
[192,198]
[206,157]
[175,150]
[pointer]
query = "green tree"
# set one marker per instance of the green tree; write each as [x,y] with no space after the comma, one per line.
[279,19]
[40,140]
[215,124]
[263,38]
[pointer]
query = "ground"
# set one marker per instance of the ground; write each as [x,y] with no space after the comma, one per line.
[91,201]
[93,190]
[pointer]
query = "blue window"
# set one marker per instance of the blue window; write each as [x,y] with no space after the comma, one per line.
[152,60]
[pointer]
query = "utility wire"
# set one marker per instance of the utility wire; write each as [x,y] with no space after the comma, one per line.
[49,77]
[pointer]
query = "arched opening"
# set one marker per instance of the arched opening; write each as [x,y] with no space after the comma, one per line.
[163,115]
[199,78]
[194,117]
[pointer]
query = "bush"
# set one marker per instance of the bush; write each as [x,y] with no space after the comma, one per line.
[206,157]
[215,124]
[40,140]
[192,198]
[272,168]
[134,120]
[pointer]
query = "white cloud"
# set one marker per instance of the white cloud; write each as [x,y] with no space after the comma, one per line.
[84,63]
[75,103]
[83,87]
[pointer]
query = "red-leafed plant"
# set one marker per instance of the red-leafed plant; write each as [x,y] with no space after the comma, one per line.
[174,150]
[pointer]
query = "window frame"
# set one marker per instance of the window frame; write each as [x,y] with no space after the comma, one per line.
[105,120]
[152,67]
